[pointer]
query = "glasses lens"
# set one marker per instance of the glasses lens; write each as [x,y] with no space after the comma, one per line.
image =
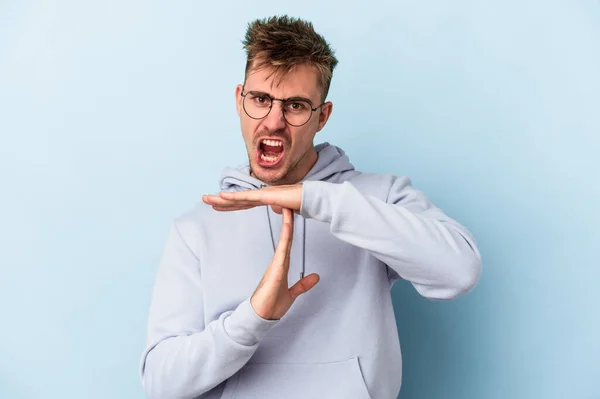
[297,112]
[256,105]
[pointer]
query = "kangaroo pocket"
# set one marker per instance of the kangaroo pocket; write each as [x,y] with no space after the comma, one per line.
[332,380]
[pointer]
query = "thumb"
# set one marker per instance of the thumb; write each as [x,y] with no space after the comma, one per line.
[304,285]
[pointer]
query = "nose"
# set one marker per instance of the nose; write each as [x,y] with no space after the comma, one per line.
[275,120]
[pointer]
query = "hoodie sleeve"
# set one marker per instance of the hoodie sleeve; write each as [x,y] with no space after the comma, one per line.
[406,232]
[185,357]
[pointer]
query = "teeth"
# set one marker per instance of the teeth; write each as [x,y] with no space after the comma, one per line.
[268,159]
[272,143]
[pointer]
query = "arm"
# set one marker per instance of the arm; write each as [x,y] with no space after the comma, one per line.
[184,357]
[406,232]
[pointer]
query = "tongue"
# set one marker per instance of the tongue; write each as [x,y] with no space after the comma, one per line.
[271,149]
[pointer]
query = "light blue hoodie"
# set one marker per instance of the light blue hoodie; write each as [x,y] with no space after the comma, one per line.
[360,232]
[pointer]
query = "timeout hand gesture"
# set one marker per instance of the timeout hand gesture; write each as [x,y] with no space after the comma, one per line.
[272,298]
[284,196]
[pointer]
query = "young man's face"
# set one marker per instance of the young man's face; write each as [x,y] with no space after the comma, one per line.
[292,156]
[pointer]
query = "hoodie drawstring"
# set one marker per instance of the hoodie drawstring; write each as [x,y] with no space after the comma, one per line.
[303,246]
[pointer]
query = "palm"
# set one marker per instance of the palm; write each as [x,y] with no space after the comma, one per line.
[272,298]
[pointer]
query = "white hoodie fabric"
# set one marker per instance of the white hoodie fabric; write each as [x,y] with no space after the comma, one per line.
[360,232]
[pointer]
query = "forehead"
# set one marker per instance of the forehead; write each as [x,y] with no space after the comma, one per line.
[301,81]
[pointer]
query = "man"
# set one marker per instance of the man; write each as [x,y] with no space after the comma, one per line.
[237,312]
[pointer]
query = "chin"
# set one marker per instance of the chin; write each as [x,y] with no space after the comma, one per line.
[268,176]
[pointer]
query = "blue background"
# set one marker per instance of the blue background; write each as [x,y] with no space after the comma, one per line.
[116,116]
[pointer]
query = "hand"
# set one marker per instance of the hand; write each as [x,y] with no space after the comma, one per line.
[272,298]
[285,196]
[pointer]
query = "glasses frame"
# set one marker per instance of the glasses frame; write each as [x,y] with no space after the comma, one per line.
[283,100]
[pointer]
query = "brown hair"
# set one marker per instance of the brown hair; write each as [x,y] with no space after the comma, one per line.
[283,43]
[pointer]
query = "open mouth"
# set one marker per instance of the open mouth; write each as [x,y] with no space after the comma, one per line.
[270,152]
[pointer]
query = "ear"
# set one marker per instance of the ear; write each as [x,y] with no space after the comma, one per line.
[326,110]
[238,99]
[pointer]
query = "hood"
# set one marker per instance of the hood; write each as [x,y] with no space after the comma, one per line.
[332,160]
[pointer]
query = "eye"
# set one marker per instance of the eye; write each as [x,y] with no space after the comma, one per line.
[260,99]
[297,106]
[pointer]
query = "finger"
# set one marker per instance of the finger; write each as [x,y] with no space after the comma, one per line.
[283,247]
[304,285]
[265,196]
[246,195]
[234,205]
[206,199]
[288,218]
[211,199]
[214,200]
[229,209]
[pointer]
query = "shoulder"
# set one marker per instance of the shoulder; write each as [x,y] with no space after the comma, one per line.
[193,222]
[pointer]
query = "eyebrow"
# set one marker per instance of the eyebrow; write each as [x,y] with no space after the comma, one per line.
[295,98]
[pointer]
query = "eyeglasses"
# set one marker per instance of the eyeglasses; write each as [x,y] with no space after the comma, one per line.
[297,111]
